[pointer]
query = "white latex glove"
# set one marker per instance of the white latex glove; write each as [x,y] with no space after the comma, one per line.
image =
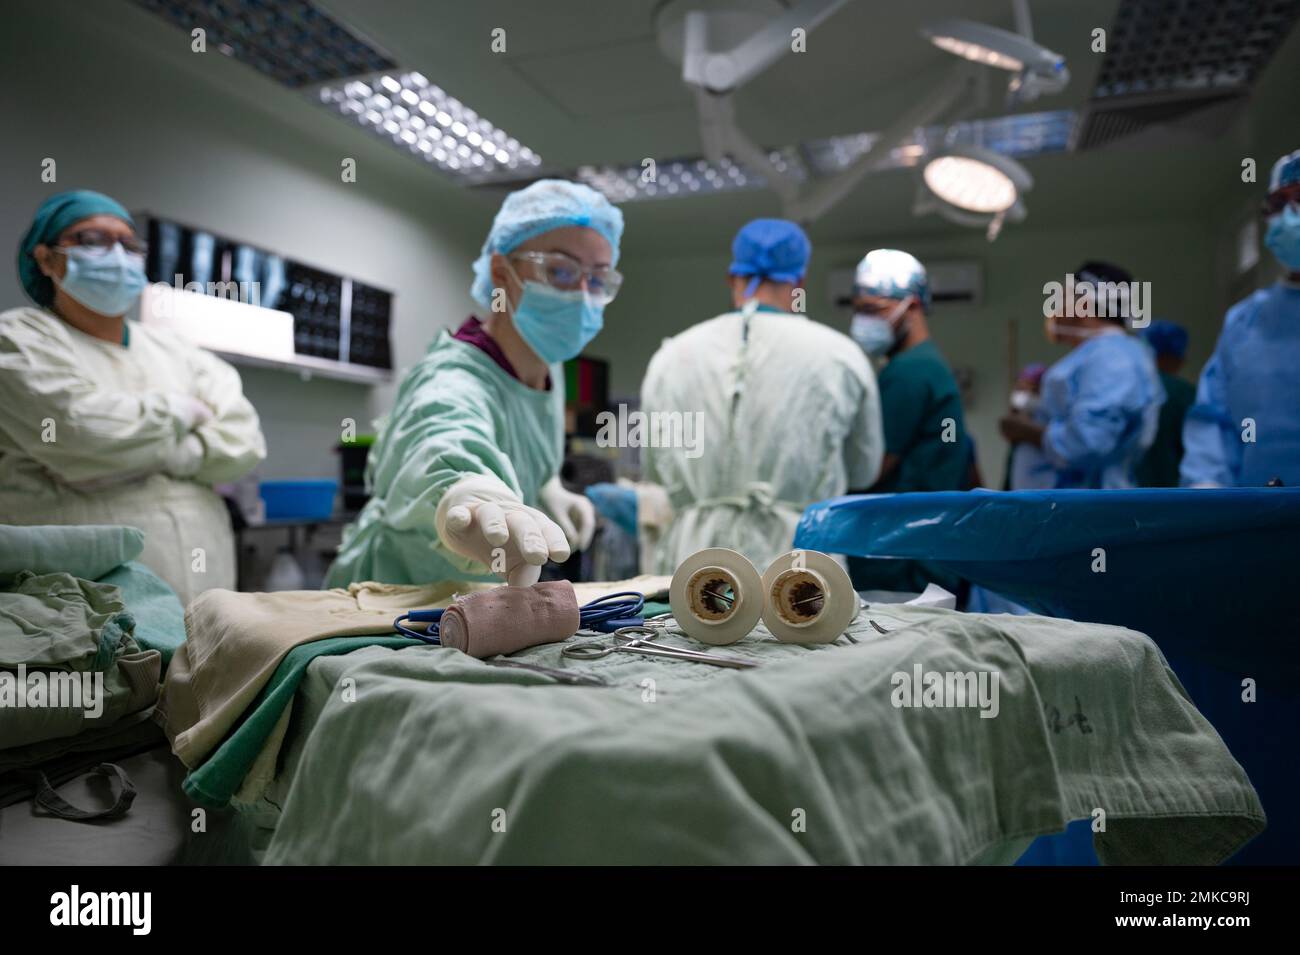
[195,412]
[481,518]
[575,513]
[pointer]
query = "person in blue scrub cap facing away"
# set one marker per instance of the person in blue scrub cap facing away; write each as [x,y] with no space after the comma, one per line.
[110,421]
[464,474]
[1101,402]
[1244,429]
[788,407]
[1159,467]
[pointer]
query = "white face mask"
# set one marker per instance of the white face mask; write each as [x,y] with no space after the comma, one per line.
[876,334]
[1025,401]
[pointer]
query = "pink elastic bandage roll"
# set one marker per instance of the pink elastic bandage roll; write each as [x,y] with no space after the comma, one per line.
[506,619]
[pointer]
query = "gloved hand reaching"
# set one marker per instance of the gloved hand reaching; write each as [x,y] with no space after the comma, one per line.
[573,512]
[481,518]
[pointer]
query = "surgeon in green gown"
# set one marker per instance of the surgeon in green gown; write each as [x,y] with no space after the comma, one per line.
[464,474]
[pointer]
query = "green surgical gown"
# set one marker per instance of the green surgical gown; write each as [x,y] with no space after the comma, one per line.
[97,432]
[918,397]
[457,413]
[1159,467]
[780,411]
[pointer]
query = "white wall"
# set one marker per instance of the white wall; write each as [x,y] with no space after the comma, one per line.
[208,141]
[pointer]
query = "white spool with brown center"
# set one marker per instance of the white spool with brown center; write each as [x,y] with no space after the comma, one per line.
[809,598]
[716,596]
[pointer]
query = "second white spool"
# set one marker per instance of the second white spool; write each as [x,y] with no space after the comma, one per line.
[808,598]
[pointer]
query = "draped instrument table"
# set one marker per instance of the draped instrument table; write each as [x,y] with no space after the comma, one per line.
[1213,576]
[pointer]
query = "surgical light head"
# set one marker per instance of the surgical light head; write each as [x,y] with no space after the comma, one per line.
[1037,69]
[891,273]
[545,205]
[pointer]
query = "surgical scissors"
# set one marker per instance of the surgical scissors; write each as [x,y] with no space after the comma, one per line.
[625,640]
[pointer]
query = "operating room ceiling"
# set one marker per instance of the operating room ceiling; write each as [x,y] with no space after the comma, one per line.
[584,82]
[588,80]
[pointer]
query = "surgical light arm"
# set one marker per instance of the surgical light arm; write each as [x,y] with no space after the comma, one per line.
[723,72]
[722,137]
[716,75]
[960,81]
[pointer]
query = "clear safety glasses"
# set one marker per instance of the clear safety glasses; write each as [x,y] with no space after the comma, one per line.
[562,271]
[96,242]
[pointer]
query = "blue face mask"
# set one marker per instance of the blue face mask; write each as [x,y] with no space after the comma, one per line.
[557,325]
[1283,236]
[107,283]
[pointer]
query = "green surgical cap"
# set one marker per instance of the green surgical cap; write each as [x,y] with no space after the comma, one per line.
[56,214]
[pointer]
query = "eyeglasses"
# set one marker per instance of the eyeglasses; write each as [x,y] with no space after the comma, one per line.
[99,242]
[562,271]
[1279,200]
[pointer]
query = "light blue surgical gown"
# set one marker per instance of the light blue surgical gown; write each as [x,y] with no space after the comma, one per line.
[1253,374]
[1102,402]
[457,413]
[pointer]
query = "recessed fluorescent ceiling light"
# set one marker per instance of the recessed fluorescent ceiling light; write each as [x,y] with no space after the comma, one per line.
[299,45]
[413,114]
[1025,134]
[681,177]
[291,41]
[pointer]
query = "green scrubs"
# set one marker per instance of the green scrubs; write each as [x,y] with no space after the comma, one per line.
[1159,467]
[918,396]
[457,413]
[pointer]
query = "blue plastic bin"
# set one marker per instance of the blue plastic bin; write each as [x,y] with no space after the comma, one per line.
[307,499]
